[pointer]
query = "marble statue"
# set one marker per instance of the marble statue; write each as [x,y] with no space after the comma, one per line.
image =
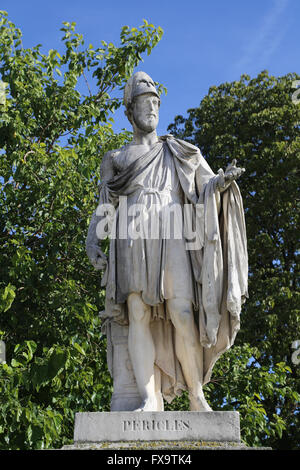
[176,273]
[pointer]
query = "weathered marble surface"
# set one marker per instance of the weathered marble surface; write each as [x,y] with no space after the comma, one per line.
[125,395]
[180,300]
[162,445]
[220,426]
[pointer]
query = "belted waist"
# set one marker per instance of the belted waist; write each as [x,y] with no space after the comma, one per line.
[141,191]
[151,190]
[175,195]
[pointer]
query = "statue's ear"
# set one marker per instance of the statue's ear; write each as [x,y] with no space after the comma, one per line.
[128,114]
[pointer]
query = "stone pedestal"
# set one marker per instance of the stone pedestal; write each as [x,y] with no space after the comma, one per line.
[125,396]
[126,426]
[125,393]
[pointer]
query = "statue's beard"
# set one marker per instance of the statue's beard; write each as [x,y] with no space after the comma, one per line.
[145,126]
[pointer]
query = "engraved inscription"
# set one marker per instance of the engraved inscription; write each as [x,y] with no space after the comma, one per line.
[154,425]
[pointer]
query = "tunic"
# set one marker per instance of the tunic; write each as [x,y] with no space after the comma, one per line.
[153,259]
[212,274]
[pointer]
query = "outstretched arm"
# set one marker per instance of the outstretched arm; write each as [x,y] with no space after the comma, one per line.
[94,252]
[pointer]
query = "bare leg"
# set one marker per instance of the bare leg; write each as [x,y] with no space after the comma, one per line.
[141,351]
[188,351]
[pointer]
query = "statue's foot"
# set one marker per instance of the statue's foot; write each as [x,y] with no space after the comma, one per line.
[149,404]
[199,403]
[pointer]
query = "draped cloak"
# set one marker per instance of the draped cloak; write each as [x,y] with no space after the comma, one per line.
[215,267]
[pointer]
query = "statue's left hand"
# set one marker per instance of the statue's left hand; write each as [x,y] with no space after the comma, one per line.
[232,173]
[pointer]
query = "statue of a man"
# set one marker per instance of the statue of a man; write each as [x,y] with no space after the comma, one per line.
[181,296]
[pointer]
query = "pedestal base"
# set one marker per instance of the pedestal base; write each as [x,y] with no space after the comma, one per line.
[160,445]
[176,426]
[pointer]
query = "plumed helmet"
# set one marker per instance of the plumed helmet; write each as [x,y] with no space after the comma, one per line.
[138,84]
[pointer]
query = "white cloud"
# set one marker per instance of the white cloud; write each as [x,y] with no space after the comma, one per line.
[266,39]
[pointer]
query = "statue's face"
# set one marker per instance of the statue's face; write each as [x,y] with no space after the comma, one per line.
[145,112]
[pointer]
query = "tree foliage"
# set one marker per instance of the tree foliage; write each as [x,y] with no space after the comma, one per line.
[239,384]
[55,125]
[257,122]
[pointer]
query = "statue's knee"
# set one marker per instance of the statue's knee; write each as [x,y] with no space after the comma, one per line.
[138,311]
[181,314]
[184,319]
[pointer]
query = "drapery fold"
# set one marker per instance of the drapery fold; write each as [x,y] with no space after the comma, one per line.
[217,256]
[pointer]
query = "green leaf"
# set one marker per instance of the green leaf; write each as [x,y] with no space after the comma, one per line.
[7,296]
[79,348]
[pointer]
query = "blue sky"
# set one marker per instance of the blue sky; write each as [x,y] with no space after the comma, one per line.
[205,42]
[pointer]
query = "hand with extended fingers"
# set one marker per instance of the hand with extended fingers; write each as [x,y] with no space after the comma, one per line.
[232,173]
